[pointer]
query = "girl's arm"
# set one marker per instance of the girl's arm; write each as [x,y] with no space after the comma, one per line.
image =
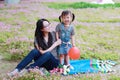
[73,40]
[57,35]
[58,42]
[57,29]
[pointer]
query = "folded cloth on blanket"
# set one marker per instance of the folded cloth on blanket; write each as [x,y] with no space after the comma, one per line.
[91,66]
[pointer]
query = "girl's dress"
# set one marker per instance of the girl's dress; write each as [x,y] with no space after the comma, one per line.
[65,35]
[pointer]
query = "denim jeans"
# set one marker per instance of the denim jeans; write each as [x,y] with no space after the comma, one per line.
[46,60]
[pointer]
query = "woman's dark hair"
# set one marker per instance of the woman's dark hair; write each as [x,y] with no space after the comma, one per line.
[66,12]
[39,35]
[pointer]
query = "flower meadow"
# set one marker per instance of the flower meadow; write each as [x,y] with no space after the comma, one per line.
[97,31]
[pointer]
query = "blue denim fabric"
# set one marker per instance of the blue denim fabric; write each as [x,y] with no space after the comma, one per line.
[64,48]
[65,36]
[46,60]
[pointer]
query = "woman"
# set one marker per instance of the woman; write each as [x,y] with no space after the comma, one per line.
[44,54]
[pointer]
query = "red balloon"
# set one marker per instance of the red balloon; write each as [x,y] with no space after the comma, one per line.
[74,53]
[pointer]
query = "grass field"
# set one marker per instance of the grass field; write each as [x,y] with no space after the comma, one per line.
[97,29]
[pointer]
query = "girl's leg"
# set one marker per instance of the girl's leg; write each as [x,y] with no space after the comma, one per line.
[45,58]
[66,59]
[34,54]
[61,58]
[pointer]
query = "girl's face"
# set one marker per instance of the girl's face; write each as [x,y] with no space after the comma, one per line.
[46,26]
[66,19]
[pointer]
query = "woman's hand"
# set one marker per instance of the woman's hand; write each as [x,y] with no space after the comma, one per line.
[41,51]
[58,42]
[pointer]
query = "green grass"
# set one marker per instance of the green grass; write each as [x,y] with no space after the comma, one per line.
[94,40]
[97,34]
[98,42]
[34,76]
[77,5]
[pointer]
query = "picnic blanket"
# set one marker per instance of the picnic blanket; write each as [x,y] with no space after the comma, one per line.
[91,66]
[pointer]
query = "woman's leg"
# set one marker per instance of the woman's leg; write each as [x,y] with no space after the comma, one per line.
[47,60]
[50,64]
[34,54]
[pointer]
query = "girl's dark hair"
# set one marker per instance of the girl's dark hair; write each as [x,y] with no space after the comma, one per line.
[66,12]
[39,35]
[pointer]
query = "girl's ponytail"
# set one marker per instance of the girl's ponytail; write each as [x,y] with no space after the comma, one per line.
[60,18]
[73,17]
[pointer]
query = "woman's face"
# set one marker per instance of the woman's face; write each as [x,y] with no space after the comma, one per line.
[46,26]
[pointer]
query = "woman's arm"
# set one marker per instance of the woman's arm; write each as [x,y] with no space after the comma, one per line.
[58,42]
[38,48]
[36,45]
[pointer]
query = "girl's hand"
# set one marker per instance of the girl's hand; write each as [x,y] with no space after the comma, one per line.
[73,45]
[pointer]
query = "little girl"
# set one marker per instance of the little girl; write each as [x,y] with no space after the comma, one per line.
[65,32]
